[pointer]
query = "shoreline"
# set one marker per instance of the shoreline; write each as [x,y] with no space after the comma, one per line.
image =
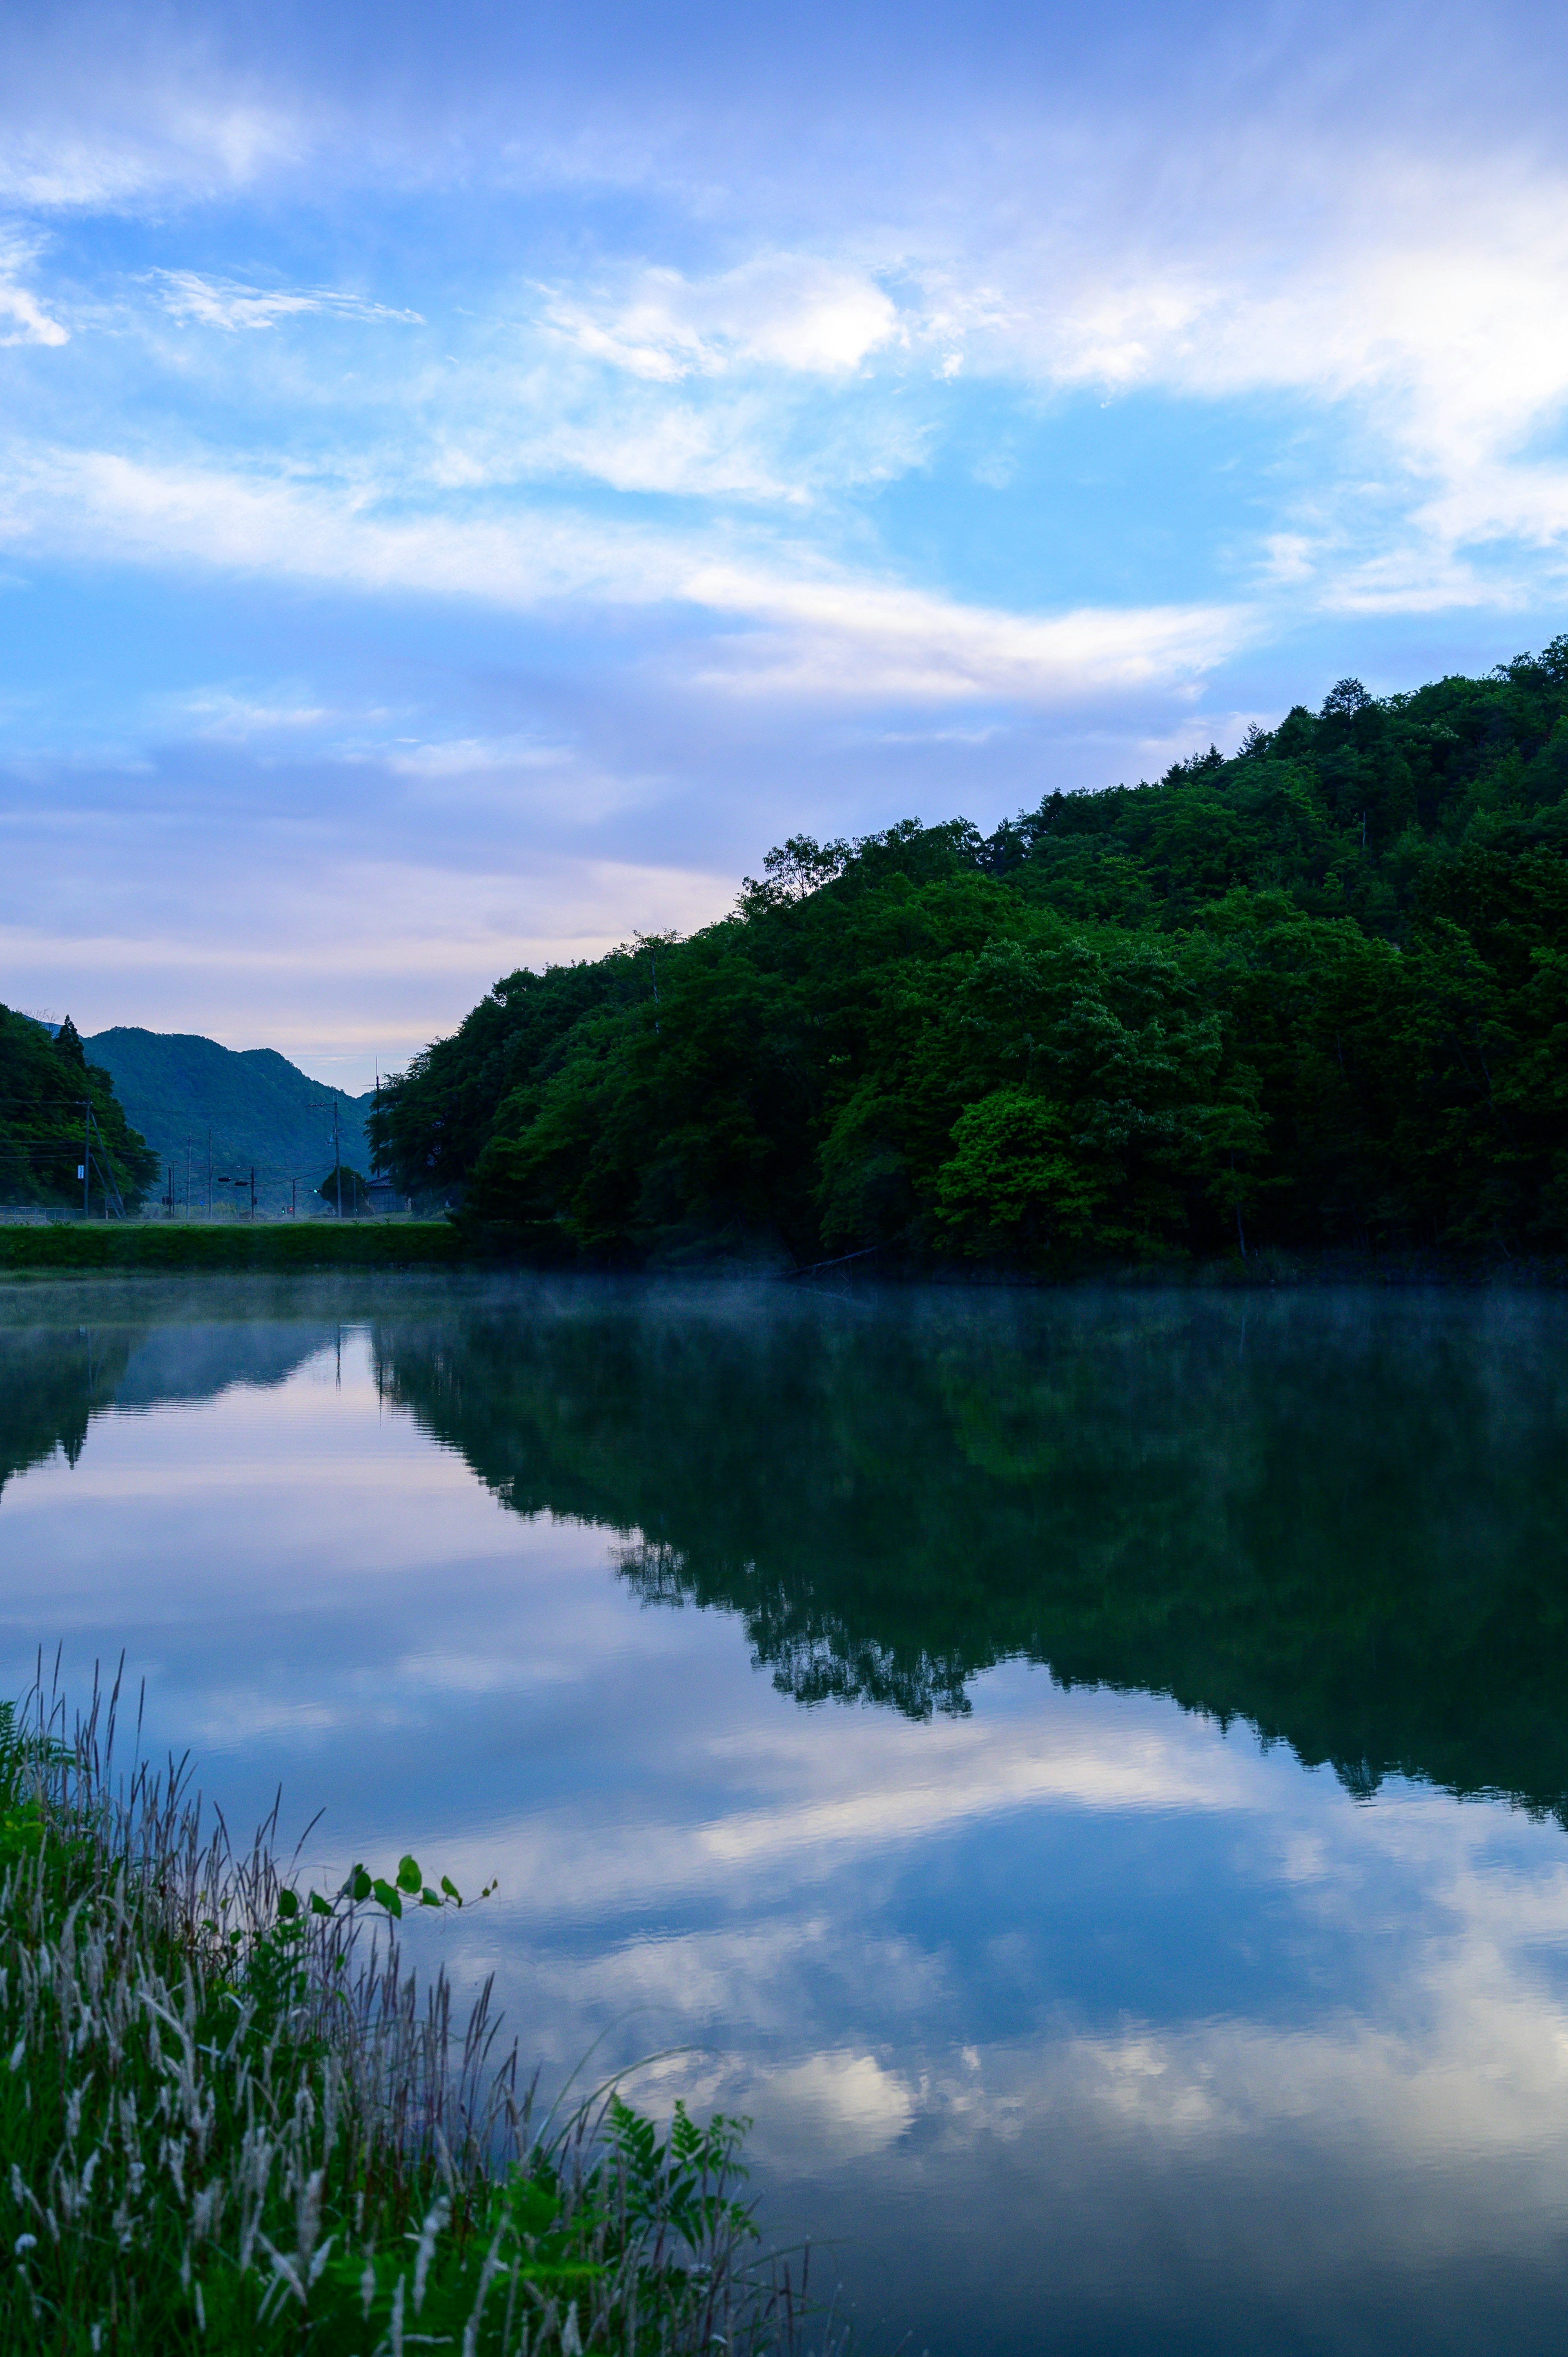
[156,1248]
[173,1246]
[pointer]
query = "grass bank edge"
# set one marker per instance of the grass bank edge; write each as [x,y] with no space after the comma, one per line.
[313,1244]
[234,2121]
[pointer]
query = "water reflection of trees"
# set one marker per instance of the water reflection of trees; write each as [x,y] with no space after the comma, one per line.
[1341,1519]
[54,1379]
[51,1385]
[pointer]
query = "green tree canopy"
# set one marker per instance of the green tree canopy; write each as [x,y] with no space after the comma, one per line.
[46,1087]
[1314,995]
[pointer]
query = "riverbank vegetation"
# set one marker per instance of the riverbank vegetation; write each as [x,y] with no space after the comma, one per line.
[232,2123]
[239,1245]
[1312,997]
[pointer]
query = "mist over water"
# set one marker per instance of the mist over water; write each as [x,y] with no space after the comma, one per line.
[1086,1772]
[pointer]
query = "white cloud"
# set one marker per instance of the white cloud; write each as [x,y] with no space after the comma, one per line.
[119,111]
[466,757]
[229,303]
[220,715]
[195,151]
[30,324]
[645,438]
[783,311]
[23,319]
[1419,307]
[811,625]
[840,637]
[1419,316]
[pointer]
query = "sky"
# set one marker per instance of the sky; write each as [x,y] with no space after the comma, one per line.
[471,480]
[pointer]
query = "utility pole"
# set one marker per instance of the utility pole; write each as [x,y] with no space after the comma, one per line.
[293,1199]
[337,1158]
[253,1191]
[210,1170]
[187,1182]
[106,1177]
[86,1152]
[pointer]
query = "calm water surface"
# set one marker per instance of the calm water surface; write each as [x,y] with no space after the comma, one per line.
[1087,1773]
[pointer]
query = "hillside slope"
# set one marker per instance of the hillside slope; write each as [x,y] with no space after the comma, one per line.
[261,1110]
[1315,996]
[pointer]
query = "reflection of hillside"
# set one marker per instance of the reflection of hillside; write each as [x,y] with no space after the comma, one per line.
[198,1362]
[51,1384]
[54,1379]
[1342,1521]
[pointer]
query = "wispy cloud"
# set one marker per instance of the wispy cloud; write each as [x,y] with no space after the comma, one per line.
[801,313]
[23,319]
[470,757]
[806,624]
[229,303]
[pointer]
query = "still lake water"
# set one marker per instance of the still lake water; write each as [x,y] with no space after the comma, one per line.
[1087,1773]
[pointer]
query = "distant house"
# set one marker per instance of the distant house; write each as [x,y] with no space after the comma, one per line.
[381,1195]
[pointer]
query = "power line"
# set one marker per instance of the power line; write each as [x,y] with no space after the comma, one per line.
[150,1105]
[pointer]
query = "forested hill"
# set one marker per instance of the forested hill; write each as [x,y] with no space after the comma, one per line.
[1313,996]
[47,1086]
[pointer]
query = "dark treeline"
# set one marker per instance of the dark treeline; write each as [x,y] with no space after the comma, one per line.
[1315,996]
[45,1083]
[1338,1517]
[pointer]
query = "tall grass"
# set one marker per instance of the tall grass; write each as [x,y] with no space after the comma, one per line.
[232,2120]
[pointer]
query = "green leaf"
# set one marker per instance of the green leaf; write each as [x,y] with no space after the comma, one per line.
[359,1885]
[409,1876]
[386,1893]
[450,1887]
[288,1905]
[319,1905]
[428,1898]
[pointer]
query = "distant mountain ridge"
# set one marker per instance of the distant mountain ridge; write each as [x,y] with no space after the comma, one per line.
[261,1110]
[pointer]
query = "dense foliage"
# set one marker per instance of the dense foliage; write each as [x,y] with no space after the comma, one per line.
[1315,995]
[343,1189]
[46,1084]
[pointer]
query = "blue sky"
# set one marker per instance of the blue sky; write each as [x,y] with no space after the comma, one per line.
[473,478]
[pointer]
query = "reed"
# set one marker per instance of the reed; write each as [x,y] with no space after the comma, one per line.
[233,2120]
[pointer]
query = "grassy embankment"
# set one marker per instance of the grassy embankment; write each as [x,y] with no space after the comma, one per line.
[231,2122]
[173,1244]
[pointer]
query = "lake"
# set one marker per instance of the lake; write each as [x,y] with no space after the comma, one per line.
[1085,1771]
